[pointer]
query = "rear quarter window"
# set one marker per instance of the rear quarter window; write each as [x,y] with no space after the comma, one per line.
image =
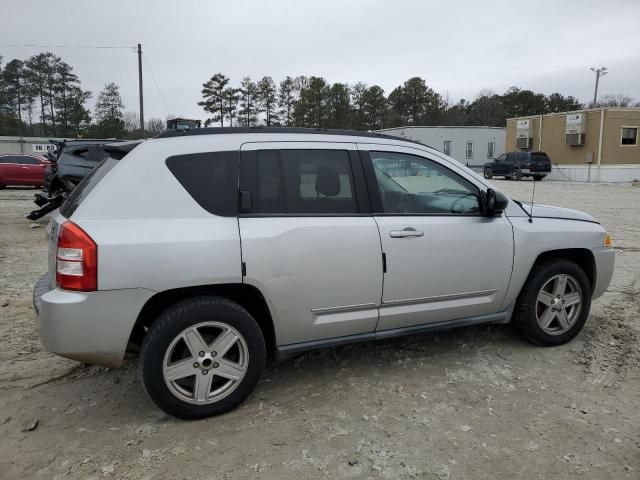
[210,178]
[540,157]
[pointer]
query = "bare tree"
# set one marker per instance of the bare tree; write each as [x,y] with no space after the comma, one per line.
[155,125]
[131,121]
[617,100]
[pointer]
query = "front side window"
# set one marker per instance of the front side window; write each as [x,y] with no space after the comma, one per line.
[629,136]
[469,151]
[502,158]
[491,149]
[304,182]
[447,147]
[409,184]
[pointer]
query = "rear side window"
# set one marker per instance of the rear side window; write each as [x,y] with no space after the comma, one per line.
[540,157]
[304,182]
[87,184]
[210,178]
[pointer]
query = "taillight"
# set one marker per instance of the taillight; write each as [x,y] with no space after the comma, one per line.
[76,259]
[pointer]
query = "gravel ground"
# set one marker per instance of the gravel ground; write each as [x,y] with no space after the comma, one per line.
[471,403]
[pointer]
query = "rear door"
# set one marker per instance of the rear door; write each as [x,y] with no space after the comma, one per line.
[309,241]
[499,165]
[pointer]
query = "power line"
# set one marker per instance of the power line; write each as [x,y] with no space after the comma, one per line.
[66,46]
[155,83]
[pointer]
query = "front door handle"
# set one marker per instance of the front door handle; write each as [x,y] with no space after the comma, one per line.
[407,232]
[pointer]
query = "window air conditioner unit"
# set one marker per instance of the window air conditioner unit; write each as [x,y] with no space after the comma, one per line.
[524,134]
[523,143]
[575,128]
[575,139]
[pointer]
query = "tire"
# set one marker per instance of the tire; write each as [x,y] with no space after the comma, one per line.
[529,315]
[165,350]
[537,178]
[488,174]
[516,175]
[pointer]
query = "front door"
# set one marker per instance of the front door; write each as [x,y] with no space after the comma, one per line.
[444,259]
[309,241]
[499,166]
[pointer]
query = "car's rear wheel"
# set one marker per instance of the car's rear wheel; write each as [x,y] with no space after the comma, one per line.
[202,357]
[554,303]
[488,173]
[516,175]
[537,178]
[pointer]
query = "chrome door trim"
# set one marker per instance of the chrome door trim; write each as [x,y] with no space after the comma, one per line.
[440,298]
[344,308]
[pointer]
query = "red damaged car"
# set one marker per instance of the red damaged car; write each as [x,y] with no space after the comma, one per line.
[22,169]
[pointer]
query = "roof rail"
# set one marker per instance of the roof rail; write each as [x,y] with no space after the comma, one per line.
[260,129]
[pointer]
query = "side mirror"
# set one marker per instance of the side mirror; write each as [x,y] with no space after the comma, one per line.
[494,202]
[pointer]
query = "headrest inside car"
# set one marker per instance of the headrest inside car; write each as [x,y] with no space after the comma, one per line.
[327,182]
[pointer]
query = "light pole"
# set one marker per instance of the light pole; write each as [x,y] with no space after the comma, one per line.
[600,72]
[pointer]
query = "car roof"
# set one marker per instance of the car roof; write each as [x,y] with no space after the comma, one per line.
[281,130]
[536,152]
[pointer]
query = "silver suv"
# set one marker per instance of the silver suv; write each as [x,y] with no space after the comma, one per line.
[208,249]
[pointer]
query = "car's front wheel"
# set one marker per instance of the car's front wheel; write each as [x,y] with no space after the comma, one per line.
[516,175]
[554,303]
[488,173]
[202,357]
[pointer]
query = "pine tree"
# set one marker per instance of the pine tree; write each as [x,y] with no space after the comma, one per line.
[248,108]
[286,100]
[267,99]
[231,97]
[109,113]
[212,98]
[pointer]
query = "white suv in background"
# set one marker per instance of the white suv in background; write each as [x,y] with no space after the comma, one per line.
[209,248]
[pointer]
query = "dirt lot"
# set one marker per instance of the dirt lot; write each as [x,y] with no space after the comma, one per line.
[471,403]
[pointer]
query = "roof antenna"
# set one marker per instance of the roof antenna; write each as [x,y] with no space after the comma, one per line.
[533,194]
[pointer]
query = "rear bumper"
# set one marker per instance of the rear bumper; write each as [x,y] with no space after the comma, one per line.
[90,327]
[542,173]
[605,262]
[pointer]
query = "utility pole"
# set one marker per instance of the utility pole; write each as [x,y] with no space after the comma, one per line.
[600,72]
[140,87]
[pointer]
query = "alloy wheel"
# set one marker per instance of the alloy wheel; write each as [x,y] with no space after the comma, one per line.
[558,304]
[205,362]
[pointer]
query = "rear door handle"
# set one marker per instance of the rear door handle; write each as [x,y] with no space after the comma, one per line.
[407,232]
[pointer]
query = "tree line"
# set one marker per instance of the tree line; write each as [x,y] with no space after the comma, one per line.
[42,96]
[314,102]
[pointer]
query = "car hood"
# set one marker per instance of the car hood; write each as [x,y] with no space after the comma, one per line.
[548,211]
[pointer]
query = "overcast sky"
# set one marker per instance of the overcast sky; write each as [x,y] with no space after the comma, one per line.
[458,47]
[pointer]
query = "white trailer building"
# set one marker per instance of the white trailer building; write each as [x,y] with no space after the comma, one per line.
[472,146]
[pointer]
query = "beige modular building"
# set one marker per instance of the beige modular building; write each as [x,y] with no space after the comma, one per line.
[586,145]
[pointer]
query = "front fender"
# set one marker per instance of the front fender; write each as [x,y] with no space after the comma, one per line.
[532,239]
